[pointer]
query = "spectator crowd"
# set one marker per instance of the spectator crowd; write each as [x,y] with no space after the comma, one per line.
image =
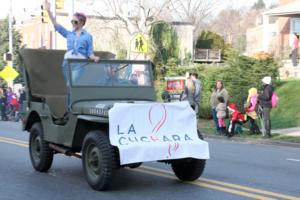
[257,107]
[11,103]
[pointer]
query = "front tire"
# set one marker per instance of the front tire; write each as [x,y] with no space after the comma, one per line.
[41,155]
[99,160]
[188,169]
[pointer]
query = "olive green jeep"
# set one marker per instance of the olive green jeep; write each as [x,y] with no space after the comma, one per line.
[73,118]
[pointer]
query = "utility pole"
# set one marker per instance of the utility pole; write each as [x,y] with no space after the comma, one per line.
[10,38]
[53,3]
[71,10]
[10,19]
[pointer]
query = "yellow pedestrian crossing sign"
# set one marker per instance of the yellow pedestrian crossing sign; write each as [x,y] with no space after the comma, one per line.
[139,44]
[9,73]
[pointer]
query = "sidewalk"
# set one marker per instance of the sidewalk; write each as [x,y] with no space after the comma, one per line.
[295,131]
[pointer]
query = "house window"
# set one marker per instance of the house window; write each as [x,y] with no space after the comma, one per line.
[273,34]
[295,25]
[272,20]
[295,28]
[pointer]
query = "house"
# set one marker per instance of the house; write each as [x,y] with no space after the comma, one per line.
[109,34]
[274,35]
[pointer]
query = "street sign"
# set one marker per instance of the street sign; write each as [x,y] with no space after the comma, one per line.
[9,74]
[59,4]
[139,44]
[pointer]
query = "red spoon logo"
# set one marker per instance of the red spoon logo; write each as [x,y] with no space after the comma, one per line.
[157,126]
[161,121]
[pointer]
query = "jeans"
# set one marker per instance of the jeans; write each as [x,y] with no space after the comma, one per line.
[267,121]
[214,115]
[3,112]
[77,71]
[253,126]
[19,114]
[197,109]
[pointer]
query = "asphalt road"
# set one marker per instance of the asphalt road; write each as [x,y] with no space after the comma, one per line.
[235,171]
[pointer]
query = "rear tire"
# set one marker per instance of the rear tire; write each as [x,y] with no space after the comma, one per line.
[41,155]
[99,160]
[188,169]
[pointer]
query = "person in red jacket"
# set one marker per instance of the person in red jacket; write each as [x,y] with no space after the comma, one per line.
[14,106]
[236,117]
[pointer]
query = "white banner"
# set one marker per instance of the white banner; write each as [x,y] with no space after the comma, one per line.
[155,131]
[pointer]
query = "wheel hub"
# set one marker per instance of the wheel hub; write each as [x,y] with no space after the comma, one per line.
[36,148]
[93,160]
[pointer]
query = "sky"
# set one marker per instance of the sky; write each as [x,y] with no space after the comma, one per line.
[33,6]
[244,3]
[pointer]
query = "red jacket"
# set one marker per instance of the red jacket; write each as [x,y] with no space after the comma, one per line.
[236,115]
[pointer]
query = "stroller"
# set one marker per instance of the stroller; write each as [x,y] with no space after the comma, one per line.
[239,118]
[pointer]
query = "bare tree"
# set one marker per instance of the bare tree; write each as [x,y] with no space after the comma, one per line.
[139,15]
[228,24]
[136,15]
[133,15]
[232,24]
[193,11]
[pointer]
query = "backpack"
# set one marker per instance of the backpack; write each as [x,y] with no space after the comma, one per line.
[274,100]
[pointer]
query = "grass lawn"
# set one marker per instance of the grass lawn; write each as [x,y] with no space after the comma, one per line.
[207,127]
[287,114]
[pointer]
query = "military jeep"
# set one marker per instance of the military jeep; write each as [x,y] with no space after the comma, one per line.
[72,117]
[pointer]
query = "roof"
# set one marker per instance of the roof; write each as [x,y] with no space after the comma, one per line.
[288,10]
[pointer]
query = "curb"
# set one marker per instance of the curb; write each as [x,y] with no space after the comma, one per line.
[254,141]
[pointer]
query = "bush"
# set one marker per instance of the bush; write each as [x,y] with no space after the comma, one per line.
[239,74]
[243,72]
[165,43]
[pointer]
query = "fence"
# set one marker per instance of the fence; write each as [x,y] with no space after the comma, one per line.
[207,55]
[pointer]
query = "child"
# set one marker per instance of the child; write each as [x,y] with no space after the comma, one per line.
[236,117]
[221,114]
[251,110]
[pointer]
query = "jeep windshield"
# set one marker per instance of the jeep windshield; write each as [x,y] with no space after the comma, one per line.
[110,73]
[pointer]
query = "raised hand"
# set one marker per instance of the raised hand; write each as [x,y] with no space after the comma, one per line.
[46,5]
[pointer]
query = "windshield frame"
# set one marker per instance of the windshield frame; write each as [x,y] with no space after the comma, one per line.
[147,63]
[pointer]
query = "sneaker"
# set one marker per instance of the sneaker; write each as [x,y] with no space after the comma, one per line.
[267,136]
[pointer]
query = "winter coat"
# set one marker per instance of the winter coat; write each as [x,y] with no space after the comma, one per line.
[214,97]
[251,103]
[188,96]
[265,97]
[221,110]
[198,90]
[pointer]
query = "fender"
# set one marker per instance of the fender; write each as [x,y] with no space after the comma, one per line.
[93,118]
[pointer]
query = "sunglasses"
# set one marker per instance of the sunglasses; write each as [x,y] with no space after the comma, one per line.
[74,22]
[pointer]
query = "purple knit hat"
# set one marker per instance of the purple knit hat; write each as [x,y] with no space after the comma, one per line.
[81,17]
